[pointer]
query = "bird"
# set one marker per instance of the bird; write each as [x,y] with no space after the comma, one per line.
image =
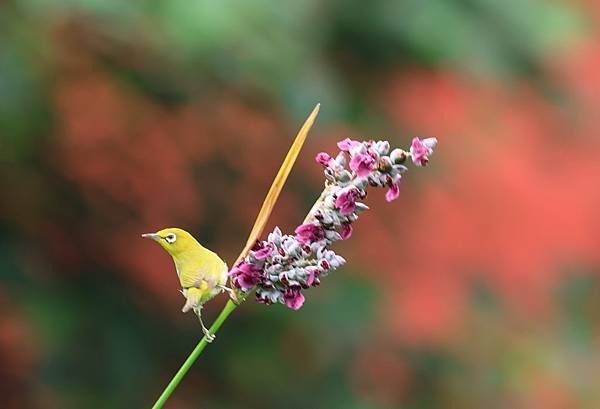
[201,272]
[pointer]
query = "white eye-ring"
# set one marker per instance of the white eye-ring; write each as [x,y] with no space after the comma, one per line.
[171,238]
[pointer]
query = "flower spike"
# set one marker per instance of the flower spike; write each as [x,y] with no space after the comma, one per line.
[282,266]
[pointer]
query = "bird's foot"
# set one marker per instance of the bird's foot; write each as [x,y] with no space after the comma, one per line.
[231,292]
[209,337]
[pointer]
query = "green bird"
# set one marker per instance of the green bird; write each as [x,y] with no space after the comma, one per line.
[202,273]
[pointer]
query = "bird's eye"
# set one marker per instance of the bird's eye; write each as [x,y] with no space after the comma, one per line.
[171,238]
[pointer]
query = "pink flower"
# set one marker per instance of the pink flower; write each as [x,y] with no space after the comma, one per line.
[262,249]
[309,233]
[346,231]
[293,298]
[246,275]
[346,202]
[393,193]
[283,266]
[362,164]
[420,150]
[310,279]
[323,158]
[264,252]
[348,144]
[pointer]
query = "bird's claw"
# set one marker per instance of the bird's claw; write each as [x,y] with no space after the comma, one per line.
[209,337]
[232,293]
[234,297]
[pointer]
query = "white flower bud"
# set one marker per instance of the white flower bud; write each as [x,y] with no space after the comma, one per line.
[398,156]
[382,147]
[341,160]
[344,176]
[332,235]
[385,164]
[361,207]
[275,236]
[361,183]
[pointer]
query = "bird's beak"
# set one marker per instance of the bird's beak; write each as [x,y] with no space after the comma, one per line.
[153,236]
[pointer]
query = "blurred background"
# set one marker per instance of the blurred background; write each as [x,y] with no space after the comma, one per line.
[479,288]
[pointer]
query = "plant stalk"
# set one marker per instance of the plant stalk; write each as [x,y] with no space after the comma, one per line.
[228,309]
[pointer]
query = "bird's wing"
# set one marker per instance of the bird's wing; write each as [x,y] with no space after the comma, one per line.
[213,272]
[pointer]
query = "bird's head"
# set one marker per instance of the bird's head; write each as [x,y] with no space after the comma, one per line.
[175,241]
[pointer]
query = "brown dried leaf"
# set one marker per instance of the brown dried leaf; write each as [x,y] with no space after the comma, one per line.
[278,182]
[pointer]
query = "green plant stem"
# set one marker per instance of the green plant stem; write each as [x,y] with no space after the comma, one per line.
[228,309]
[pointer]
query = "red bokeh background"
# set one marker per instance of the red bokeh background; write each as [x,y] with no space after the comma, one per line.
[481,280]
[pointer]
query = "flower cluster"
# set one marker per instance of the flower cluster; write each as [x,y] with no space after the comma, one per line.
[284,265]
